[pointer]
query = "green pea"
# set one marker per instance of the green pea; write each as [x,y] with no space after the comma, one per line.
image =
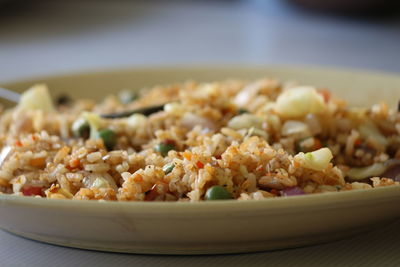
[164,147]
[242,111]
[81,128]
[168,167]
[127,96]
[217,192]
[109,138]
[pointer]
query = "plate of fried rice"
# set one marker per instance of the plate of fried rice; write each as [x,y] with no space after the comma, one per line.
[200,160]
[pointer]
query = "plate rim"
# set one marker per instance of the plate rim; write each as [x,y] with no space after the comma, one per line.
[310,200]
[206,66]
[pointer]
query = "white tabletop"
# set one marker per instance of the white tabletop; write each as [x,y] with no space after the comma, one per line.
[50,37]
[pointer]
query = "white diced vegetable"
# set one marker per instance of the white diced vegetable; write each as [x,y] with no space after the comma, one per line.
[99,181]
[313,124]
[369,130]
[299,101]
[190,120]
[247,94]
[245,121]
[296,128]
[174,108]
[94,121]
[376,169]
[5,152]
[317,160]
[137,121]
[36,98]
[257,132]
[209,88]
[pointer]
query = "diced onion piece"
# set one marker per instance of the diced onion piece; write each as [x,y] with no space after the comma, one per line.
[247,94]
[245,121]
[299,101]
[36,98]
[174,108]
[137,121]
[369,130]
[209,89]
[292,191]
[274,122]
[5,152]
[313,124]
[191,120]
[94,121]
[317,160]
[99,181]
[297,128]
[257,132]
[375,169]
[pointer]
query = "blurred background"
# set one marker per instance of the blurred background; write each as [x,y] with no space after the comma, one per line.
[50,37]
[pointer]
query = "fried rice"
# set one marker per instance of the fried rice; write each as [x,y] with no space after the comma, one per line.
[254,139]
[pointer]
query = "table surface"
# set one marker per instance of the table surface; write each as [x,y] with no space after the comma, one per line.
[50,37]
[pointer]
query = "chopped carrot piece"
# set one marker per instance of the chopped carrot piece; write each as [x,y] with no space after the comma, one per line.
[18,143]
[69,167]
[37,162]
[30,190]
[187,155]
[138,178]
[200,165]
[73,164]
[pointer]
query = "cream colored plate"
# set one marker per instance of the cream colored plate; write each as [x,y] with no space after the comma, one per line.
[207,227]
